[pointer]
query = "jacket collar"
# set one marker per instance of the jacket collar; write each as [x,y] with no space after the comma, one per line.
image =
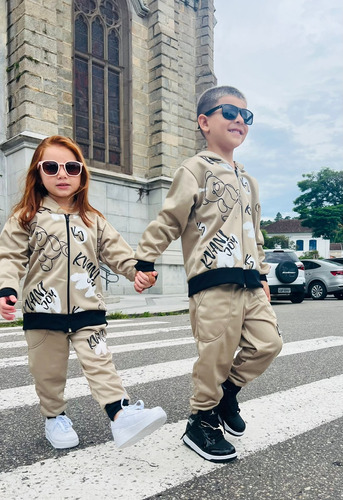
[52,205]
[218,159]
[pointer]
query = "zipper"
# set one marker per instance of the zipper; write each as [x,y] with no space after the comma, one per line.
[242,211]
[68,267]
[236,171]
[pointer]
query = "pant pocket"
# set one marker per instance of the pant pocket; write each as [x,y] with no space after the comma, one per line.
[35,338]
[212,311]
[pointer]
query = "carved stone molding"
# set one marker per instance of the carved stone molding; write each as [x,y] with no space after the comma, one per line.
[140,7]
[194,4]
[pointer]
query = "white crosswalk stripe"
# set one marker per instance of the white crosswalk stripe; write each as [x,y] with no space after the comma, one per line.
[13,331]
[147,475]
[81,472]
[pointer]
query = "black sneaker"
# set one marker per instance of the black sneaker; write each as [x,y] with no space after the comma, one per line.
[206,439]
[228,410]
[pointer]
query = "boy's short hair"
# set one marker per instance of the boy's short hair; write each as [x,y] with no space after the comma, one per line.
[211,96]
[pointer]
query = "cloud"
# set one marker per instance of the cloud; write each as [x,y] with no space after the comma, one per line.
[286,57]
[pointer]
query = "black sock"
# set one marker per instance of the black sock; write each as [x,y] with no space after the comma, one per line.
[231,387]
[113,408]
[63,413]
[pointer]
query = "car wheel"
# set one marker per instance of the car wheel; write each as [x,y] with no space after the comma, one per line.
[286,272]
[318,290]
[338,295]
[297,298]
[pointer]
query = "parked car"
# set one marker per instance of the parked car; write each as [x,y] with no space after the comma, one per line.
[323,276]
[286,277]
[337,259]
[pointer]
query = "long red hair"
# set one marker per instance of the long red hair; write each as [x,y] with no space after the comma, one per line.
[34,190]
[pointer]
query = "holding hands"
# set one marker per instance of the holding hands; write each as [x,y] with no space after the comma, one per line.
[144,280]
[7,309]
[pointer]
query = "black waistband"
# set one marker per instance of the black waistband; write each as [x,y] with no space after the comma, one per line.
[249,278]
[64,322]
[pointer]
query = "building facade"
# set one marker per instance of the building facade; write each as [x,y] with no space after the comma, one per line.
[121,77]
[300,237]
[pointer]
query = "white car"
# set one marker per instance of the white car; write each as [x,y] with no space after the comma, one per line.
[286,278]
[323,277]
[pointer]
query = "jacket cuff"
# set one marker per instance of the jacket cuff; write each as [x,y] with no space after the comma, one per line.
[6,292]
[144,266]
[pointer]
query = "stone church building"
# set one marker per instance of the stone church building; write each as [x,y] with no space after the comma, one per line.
[122,78]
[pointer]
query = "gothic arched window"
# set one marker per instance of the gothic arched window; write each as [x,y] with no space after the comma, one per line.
[101,82]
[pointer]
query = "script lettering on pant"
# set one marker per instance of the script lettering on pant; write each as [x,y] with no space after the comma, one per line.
[97,342]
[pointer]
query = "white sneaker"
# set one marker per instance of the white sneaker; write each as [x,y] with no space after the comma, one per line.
[134,423]
[59,431]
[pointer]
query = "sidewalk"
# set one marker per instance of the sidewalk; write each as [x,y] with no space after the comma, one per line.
[152,303]
[140,303]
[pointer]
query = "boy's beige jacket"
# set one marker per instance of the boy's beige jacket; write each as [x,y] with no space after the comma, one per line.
[59,257]
[215,209]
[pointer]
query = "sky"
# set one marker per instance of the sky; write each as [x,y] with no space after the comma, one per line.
[287,59]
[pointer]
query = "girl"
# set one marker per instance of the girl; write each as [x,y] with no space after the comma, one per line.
[56,239]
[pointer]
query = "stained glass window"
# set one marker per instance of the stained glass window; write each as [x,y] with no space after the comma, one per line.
[101,82]
[81,98]
[113,48]
[81,35]
[97,39]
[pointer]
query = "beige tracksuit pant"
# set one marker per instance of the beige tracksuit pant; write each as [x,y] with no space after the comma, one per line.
[226,318]
[48,353]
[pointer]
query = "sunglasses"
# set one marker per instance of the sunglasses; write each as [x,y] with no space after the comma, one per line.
[230,112]
[51,167]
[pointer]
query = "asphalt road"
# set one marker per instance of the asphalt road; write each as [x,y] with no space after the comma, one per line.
[293,447]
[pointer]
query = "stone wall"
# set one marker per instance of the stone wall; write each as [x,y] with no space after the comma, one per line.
[172,63]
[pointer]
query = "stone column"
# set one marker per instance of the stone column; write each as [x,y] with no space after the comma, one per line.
[32,68]
[205,77]
[39,85]
[163,88]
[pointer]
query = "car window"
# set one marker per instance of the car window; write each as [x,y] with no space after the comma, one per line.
[310,265]
[281,256]
[333,262]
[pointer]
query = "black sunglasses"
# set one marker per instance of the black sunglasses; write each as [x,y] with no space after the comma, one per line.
[51,167]
[230,112]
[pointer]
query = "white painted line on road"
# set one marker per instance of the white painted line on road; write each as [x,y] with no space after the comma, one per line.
[161,461]
[13,331]
[315,344]
[288,348]
[110,335]
[118,349]
[158,344]
[151,331]
[14,361]
[78,386]
[119,323]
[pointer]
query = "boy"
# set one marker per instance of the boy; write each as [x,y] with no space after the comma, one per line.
[213,204]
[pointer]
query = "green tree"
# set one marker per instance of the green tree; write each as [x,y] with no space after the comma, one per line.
[321,204]
[278,217]
[266,222]
[276,241]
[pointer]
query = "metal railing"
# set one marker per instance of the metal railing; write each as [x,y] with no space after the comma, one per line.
[108,276]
